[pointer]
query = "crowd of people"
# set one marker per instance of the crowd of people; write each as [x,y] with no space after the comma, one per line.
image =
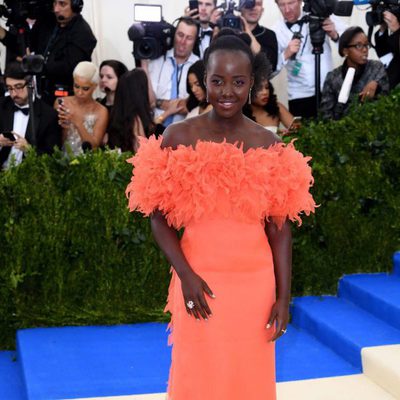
[171,88]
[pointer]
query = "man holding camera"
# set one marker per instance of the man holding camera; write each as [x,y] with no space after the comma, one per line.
[207,14]
[296,55]
[15,131]
[387,40]
[262,39]
[64,39]
[167,74]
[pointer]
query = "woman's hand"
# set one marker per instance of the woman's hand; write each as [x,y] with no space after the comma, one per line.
[280,316]
[193,289]
[368,91]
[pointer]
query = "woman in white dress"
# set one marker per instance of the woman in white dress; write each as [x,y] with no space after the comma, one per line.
[265,108]
[82,118]
[197,101]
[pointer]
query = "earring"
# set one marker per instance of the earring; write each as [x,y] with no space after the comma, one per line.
[249,97]
[206,96]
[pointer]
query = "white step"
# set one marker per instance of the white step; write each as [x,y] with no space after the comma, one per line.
[349,387]
[382,365]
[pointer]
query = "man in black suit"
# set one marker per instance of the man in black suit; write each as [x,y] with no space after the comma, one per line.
[15,132]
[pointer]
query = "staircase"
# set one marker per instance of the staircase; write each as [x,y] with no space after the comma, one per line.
[330,337]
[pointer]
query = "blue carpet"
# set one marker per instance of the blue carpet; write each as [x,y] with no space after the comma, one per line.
[134,359]
[377,293]
[11,385]
[301,356]
[94,361]
[342,326]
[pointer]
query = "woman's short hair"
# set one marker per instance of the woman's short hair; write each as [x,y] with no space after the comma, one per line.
[347,36]
[86,70]
[228,39]
[118,67]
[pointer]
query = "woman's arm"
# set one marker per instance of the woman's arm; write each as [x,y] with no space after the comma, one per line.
[193,287]
[285,117]
[280,241]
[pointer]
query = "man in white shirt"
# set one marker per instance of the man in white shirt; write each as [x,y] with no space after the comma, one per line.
[167,74]
[295,54]
[15,134]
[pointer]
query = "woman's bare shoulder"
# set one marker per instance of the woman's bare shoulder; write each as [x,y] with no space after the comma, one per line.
[180,133]
[261,137]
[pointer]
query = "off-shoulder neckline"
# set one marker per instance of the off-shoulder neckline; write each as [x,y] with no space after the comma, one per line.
[237,145]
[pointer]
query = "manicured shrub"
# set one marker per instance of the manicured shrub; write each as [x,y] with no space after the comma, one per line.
[72,254]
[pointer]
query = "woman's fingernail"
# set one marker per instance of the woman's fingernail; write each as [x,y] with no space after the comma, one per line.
[268,326]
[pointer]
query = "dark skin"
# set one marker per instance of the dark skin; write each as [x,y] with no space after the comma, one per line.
[228,81]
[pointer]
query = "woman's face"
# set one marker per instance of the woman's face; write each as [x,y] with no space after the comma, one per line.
[195,87]
[261,96]
[108,79]
[356,51]
[83,88]
[228,81]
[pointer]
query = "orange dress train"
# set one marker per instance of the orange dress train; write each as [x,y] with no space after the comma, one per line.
[222,196]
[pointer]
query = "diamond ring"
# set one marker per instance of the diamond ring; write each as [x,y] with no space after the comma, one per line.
[190,304]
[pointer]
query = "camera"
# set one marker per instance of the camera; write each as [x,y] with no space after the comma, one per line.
[17,11]
[229,19]
[375,16]
[316,12]
[152,36]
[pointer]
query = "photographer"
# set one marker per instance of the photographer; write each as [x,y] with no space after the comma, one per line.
[387,40]
[167,74]
[207,14]
[296,55]
[70,42]
[262,39]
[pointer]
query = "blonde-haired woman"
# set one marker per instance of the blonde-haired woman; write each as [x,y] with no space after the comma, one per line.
[83,119]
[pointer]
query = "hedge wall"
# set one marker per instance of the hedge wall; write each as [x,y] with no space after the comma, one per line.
[72,254]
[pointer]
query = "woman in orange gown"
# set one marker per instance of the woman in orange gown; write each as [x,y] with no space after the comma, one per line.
[233,186]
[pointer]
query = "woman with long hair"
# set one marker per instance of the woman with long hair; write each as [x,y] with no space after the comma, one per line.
[197,101]
[131,116]
[264,107]
[110,72]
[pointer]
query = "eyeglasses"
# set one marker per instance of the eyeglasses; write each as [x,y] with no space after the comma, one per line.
[360,46]
[84,88]
[16,88]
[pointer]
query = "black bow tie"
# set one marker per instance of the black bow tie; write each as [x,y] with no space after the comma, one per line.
[25,110]
[205,33]
[290,24]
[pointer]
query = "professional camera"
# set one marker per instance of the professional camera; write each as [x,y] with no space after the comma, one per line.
[316,12]
[17,11]
[229,19]
[375,16]
[152,36]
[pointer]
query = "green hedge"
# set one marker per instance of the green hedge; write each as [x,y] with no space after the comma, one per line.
[72,254]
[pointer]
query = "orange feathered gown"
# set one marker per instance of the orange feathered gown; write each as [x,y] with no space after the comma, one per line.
[222,195]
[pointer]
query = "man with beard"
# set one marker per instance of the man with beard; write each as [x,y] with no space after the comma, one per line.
[15,131]
[167,74]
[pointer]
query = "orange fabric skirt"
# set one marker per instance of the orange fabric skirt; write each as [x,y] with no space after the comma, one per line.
[228,357]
